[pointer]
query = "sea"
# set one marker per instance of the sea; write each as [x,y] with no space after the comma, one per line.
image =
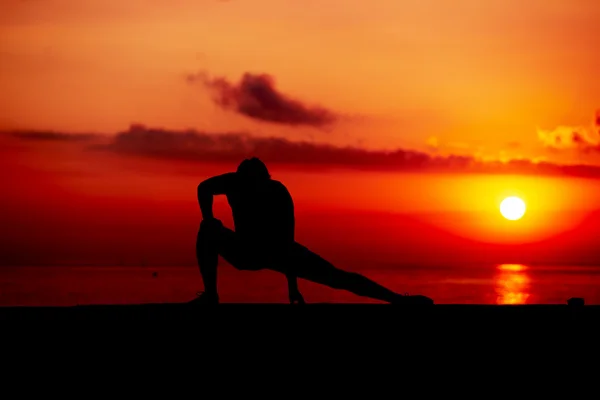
[502,284]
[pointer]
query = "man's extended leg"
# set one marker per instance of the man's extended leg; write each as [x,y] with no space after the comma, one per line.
[310,266]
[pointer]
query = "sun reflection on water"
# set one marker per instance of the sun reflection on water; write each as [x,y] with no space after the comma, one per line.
[512,284]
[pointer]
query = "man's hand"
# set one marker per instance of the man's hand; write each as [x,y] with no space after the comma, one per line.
[210,187]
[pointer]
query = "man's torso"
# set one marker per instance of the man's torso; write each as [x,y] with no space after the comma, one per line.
[261,213]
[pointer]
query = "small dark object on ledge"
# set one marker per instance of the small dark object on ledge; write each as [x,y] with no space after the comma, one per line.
[575,301]
[154,274]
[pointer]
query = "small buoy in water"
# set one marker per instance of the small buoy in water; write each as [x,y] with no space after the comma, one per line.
[575,301]
[154,274]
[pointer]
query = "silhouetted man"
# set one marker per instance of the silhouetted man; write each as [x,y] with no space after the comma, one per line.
[263,215]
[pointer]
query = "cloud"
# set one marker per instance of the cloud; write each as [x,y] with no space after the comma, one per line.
[233,147]
[54,136]
[257,97]
[583,139]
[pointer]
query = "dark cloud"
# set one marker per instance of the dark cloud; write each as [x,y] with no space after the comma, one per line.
[53,136]
[257,97]
[233,147]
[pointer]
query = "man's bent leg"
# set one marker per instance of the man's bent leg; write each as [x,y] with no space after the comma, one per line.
[207,253]
[220,241]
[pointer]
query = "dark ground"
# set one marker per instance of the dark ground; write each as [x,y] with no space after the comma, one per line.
[301,340]
[348,318]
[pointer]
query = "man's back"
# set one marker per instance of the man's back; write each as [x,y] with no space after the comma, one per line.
[263,211]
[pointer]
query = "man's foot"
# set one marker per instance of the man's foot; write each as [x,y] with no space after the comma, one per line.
[205,298]
[413,300]
[296,298]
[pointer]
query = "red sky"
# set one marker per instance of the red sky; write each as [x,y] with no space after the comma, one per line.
[391,123]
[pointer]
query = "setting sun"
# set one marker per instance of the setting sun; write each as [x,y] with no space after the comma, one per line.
[512,208]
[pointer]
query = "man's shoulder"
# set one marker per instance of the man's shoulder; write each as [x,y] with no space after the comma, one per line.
[280,191]
[275,184]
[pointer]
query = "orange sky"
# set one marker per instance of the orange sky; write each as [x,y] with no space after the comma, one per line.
[474,75]
[498,79]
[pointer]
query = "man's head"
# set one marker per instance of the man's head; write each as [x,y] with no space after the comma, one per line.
[252,169]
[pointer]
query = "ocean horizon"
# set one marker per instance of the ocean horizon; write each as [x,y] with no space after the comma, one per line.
[500,284]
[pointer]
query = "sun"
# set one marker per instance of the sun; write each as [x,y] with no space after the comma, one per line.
[512,208]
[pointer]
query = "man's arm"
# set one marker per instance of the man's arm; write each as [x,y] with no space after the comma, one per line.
[210,187]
